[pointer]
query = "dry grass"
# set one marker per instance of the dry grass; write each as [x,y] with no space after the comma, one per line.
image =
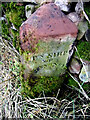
[14,105]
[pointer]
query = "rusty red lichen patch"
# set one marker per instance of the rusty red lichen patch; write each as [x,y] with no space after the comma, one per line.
[48,21]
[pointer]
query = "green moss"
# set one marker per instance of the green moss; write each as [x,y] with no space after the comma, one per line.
[35,86]
[49,59]
[86,86]
[83,48]
[15,17]
[72,83]
[87,10]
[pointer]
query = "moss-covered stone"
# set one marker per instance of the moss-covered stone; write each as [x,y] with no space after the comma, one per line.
[44,69]
[46,49]
[34,86]
[49,59]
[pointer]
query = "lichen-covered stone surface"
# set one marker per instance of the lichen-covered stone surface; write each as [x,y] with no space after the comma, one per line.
[47,22]
[75,66]
[45,37]
[82,28]
[47,34]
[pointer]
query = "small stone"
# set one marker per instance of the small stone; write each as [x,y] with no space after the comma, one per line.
[19,4]
[85,72]
[2,18]
[74,17]
[75,66]
[78,8]
[63,4]
[87,35]
[82,27]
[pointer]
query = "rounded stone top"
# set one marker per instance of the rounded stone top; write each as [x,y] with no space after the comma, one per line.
[48,21]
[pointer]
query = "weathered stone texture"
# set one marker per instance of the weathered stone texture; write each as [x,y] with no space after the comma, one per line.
[46,23]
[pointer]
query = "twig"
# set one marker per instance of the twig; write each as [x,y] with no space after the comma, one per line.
[84,12]
[42,98]
[45,103]
[54,102]
[8,79]
[83,92]
[82,63]
[61,116]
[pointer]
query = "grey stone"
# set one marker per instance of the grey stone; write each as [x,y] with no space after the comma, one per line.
[82,27]
[85,72]
[75,66]
[87,35]
[74,17]
[48,34]
[78,8]
[63,4]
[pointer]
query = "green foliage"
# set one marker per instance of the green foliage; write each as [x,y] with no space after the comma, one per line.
[71,82]
[14,14]
[48,84]
[15,17]
[83,48]
[87,10]
[5,29]
[86,86]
